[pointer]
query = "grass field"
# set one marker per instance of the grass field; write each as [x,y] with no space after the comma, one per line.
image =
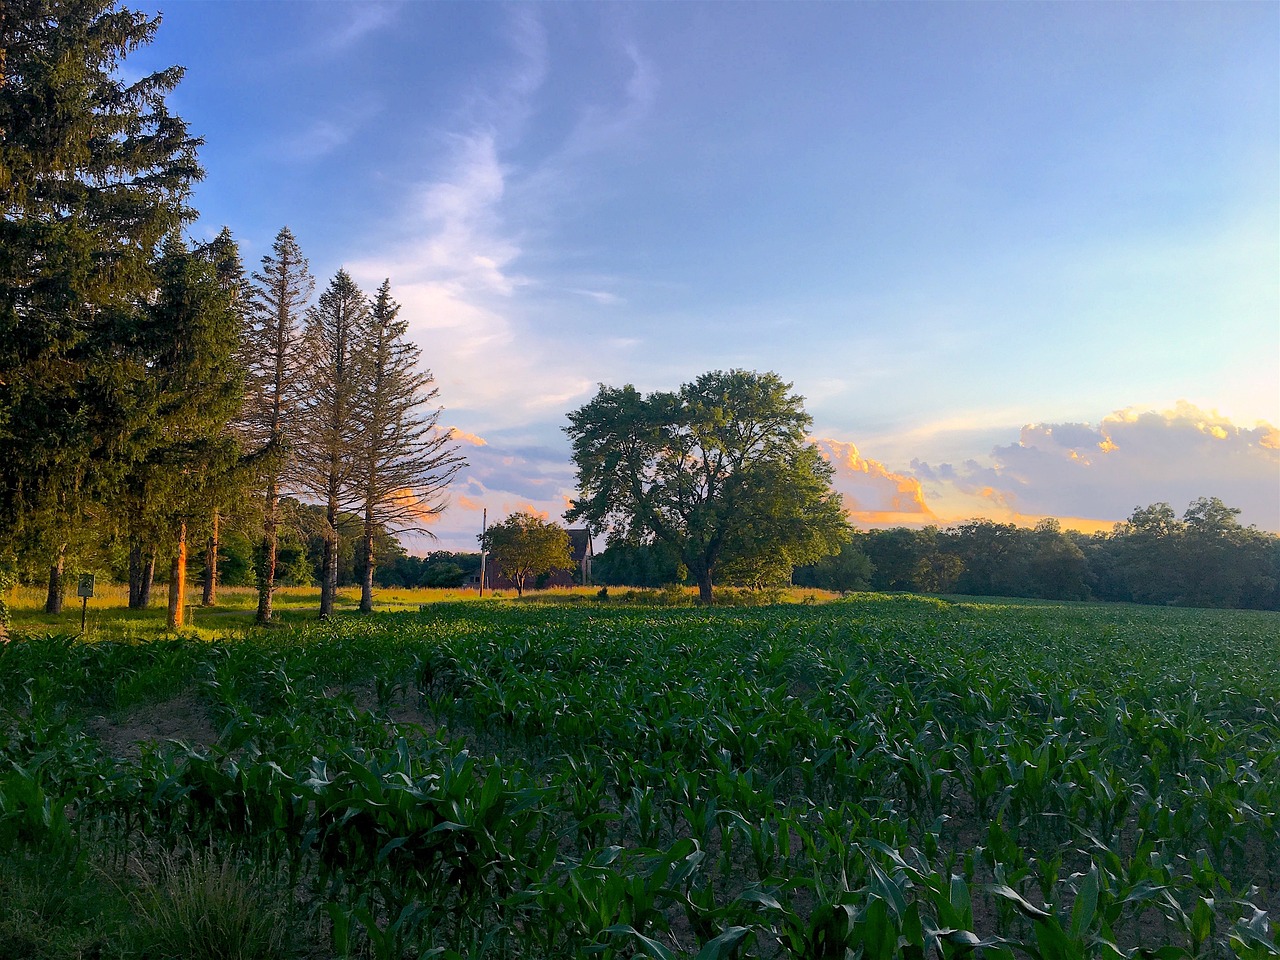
[876,777]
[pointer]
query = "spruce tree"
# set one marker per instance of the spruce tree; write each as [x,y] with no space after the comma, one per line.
[406,460]
[223,254]
[327,449]
[277,299]
[94,172]
[188,342]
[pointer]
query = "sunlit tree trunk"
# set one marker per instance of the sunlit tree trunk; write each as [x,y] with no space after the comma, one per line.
[53,602]
[178,580]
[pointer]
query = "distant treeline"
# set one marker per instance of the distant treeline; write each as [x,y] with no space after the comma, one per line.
[1204,558]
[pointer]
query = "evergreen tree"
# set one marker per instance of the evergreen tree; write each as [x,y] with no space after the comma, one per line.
[224,254]
[94,172]
[327,450]
[188,340]
[406,459]
[280,292]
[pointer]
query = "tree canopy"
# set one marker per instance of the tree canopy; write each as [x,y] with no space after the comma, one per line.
[720,470]
[525,545]
[94,173]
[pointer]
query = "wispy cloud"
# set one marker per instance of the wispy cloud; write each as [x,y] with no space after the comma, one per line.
[457,266]
[352,22]
[328,133]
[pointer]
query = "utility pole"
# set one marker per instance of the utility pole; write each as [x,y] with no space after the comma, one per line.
[484,528]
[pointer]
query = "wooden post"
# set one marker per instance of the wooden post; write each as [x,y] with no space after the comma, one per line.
[484,528]
[84,590]
[178,580]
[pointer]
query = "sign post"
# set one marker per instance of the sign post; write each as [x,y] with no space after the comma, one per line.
[84,590]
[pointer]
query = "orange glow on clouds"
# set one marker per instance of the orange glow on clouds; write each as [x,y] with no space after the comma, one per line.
[873,494]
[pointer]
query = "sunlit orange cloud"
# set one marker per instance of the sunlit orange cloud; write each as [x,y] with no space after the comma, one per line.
[525,506]
[471,438]
[874,495]
[997,506]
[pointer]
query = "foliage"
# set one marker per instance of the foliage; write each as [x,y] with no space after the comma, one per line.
[94,173]
[719,470]
[1203,559]
[524,546]
[327,448]
[638,565]
[405,459]
[273,361]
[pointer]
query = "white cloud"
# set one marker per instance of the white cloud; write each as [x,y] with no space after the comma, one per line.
[1131,458]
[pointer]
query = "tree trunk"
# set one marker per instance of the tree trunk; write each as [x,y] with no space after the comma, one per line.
[148,578]
[210,596]
[267,561]
[135,576]
[53,602]
[366,583]
[704,587]
[329,567]
[178,581]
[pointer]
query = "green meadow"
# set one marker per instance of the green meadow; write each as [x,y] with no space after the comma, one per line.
[881,776]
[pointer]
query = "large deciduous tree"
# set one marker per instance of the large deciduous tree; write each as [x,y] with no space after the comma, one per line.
[406,459]
[272,359]
[94,172]
[327,449]
[525,546]
[720,470]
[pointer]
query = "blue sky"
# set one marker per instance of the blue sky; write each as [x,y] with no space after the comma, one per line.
[1022,259]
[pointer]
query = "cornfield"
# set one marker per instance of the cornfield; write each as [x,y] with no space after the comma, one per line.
[880,777]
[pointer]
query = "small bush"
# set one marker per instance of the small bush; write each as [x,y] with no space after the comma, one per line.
[208,908]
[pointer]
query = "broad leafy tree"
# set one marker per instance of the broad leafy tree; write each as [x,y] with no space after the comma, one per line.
[525,546]
[720,470]
[405,459]
[276,304]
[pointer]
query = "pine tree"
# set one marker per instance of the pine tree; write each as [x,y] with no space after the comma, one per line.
[224,254]
[406,459]
[272,347]
[94,172]
[326,448]
[188,342]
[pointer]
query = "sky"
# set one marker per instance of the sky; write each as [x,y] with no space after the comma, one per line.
[1022,260]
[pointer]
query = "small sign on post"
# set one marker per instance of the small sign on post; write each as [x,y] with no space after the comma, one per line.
[84,590]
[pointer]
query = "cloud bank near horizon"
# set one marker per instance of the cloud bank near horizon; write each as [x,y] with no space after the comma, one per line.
[1098,473]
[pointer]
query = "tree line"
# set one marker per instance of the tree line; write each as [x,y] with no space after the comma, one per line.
[1205,558]
[152,396]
